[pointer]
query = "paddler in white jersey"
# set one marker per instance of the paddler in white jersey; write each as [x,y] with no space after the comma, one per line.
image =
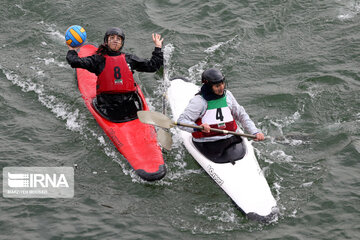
[215,107]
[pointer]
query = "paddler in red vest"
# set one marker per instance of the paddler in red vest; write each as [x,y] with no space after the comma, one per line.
[215,107]
[116,96]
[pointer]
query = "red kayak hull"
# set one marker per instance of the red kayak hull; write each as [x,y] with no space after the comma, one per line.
[136,141]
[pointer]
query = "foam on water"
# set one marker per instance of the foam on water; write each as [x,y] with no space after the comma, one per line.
[280,124]
[168,51]
[358,117]
[222,212]
[350,10]
[196,70]
[284,122]
[307,184]
[281,156]
[216,218]
[218,45]
[22,9]
[48,61]
[52,31]
[61,110]
[179,172]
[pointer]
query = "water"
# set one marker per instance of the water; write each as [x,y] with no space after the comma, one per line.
[293,65]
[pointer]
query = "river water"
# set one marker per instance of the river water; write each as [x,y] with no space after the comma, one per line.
[294,66]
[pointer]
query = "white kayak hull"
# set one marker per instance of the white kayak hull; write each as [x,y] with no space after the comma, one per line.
[243,181]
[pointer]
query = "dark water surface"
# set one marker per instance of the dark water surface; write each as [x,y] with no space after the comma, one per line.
[294,65]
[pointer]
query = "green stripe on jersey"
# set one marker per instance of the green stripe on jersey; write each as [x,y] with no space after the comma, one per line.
[218,103]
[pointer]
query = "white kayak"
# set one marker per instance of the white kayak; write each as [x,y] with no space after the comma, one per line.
[243,181]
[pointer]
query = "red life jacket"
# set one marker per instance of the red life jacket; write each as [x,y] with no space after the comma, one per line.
[217,115]
[116,76]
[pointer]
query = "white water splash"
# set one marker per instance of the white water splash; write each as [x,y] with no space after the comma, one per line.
[281,156]
[53,33]
[293,214]
[60,109]
[196,71]
[22,9]
[358,117]
[277,188]
[168,51]
[284,122]
[213,48]
[49,61]
[350,10]
[307,184]
[222,212]
[182,173]
[218,45]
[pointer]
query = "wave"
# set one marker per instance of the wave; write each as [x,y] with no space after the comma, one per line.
[52,31]
[218,45]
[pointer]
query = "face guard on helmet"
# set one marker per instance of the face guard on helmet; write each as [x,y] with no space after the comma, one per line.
[115,31]
[212,76]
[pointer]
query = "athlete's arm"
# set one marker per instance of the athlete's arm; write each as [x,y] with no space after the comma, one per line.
[94,63]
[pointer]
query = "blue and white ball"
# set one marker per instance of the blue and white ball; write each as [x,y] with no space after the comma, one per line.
[75,36]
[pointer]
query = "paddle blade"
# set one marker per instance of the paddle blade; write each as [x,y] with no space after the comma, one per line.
[154,118]
[164,139]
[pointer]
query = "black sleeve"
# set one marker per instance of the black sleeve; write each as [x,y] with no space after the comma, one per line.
[145,65]
[94,63]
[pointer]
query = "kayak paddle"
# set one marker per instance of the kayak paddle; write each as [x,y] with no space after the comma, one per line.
[161,120]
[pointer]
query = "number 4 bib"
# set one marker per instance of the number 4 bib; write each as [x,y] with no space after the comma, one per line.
[217,115]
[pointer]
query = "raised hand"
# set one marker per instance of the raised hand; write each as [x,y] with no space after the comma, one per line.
[157,40]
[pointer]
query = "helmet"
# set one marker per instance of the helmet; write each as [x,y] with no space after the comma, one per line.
[114,31]
[212,76]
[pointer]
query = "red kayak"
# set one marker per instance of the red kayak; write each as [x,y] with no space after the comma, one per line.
[135,140]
